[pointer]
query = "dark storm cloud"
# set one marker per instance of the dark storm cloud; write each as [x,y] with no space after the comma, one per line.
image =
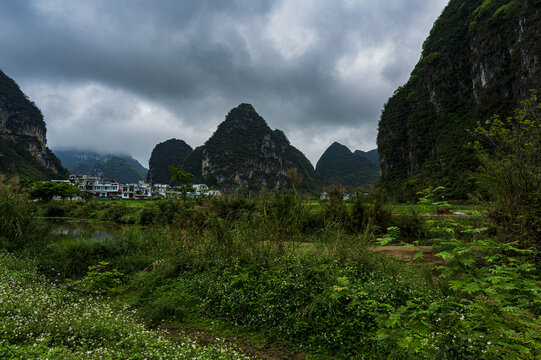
[306,65]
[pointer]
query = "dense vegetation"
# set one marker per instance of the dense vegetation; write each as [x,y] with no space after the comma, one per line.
[282,270]
[122,168]
[244,153]
[478,60]
[172,152]
[339,166]
[21,128]
[43,319]
[16,160]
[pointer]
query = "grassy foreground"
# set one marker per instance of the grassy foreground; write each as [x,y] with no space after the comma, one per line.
[237,266]
[43,320]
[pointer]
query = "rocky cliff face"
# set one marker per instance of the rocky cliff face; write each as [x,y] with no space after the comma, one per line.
[482,57]
[21,123]
[245,153]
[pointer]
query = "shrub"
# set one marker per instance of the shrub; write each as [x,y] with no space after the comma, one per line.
[379,214]
[18,224]
[148,215]
[510,176]
[99,280]
[54,210]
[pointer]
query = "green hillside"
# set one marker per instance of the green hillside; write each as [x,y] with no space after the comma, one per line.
[168,153]
[339,166]
[481,58]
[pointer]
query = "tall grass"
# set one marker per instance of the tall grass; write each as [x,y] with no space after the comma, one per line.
[18,224]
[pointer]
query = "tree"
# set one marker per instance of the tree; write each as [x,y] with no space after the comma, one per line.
[43,190]
[46,190]
[510,173]
[65,190]
[185,179]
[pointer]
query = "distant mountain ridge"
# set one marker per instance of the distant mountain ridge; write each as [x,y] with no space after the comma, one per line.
[120,167]
[371,155]
[339,166]
[23,143]
[244,153]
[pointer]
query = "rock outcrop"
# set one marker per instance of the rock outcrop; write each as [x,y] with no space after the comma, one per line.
[22,126]
[244,153]
[481,58]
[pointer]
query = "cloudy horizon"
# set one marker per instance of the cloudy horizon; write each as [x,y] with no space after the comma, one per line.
[122,76]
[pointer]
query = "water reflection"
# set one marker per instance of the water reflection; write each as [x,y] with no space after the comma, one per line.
[83,229]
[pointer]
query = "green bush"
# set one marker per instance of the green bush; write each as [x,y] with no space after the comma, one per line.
[41,320]
[72,257]
[148,215]
[54,210]
[18,224]
[99,280]
[510,174]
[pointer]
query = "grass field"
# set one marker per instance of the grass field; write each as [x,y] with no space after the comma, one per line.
[276,277]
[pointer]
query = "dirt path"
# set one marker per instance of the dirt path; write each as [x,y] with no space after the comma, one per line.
[275,351]
[407,253]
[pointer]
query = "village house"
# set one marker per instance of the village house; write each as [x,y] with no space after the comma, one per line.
[101,187]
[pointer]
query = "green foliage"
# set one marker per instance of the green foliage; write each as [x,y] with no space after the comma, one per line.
[99,280]
[431,58]
[18,225]
[181,177]
[245,153]
[14,100]
[434,197]
[17,161]
[483,9]
[43,320]
[47,190]
[18,113]
[148,216]
[422,134]
[393,233]
[510,173]
[122,168]
[507,10]
[334,209]
[258,265]
[491,309]
[54,210]
[118,169]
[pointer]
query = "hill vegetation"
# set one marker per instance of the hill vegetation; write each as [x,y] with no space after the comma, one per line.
[23,150]
[122,168]
[172,152]
[245,154]
[481,58]
[371,155]
[16,160]
[339,166]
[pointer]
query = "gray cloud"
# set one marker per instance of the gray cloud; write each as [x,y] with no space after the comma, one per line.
[124,75]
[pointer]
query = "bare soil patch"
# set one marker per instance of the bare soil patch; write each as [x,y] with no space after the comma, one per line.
[407,253]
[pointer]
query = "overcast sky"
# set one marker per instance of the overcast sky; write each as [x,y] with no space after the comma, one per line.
[124,75]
